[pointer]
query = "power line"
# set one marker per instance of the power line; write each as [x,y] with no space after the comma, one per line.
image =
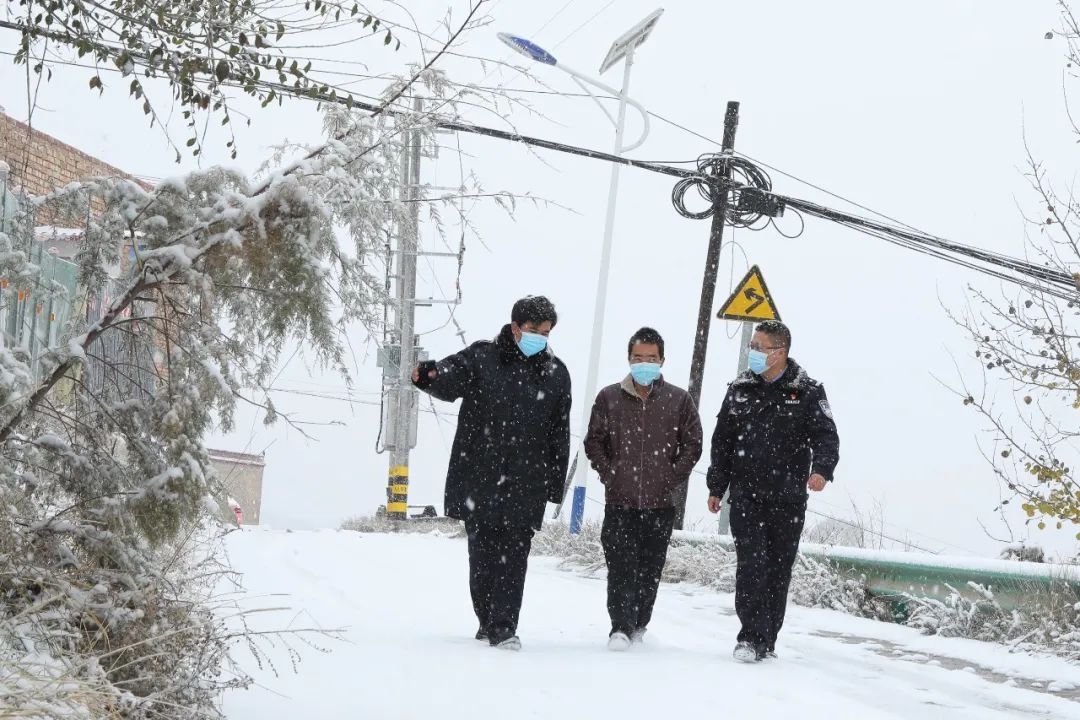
[346,399]
[882,521]
[583,25]
[860,528]
[1033,277]
[777,170]
[710,180]
[711,141]
[753,202]
[356,401]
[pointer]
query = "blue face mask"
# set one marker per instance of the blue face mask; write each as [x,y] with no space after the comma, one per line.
[645,373]
[531,343]
[757,361]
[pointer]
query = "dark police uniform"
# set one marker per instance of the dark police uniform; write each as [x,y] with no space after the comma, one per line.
[769,439]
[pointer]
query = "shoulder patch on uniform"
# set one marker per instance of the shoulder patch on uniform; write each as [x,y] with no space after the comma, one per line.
[825,409]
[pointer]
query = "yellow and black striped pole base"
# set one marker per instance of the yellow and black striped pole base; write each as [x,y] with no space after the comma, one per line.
[397,493]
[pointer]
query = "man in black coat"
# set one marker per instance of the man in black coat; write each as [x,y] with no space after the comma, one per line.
[775,437]
[510,454]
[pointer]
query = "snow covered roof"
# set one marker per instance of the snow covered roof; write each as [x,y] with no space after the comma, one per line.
[237,458]
[49,231]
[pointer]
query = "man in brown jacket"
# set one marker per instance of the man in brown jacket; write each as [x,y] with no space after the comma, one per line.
[644,439]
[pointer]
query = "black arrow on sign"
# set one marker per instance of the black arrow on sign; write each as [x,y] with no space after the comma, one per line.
[751,294]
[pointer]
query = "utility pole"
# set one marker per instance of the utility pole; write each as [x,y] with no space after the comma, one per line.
[723,520]
[708,286]
[403,401]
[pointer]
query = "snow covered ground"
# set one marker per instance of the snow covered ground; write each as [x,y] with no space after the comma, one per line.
[408,650]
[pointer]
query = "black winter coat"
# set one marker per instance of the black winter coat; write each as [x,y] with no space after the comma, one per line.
[770,437]
[512,445]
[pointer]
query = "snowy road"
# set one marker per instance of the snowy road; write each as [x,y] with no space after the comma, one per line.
[409,651]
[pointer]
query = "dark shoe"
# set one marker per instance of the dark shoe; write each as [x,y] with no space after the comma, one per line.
[482,634]
[770,655]
[746,652]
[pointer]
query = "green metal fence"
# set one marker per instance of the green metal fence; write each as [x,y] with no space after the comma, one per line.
[34,318]
[896,576]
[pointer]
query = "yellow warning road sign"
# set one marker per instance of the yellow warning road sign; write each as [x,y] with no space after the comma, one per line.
[751,300]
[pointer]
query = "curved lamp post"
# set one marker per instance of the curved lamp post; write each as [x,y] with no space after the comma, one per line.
[622,49]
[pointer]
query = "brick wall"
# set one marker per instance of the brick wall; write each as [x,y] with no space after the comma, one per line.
[241,477]
[40,163]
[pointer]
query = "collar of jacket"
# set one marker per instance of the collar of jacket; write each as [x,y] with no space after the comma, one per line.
[510,352]
[794,377]
[629,388]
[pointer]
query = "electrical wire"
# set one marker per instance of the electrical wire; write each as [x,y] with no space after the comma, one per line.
[583,25]
[861,528]
[350,400]
[712,182]
[752,201]
[733,329]
[1033,277]
[763,164]
[750,181]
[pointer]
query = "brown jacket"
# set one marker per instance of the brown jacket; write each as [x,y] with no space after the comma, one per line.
[643,448]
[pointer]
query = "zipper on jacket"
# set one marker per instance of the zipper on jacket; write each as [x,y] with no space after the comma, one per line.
[641,463]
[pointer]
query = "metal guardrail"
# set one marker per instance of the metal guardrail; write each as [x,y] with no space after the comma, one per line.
[896,576]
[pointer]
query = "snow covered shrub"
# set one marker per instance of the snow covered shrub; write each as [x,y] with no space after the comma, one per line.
[816,583]
[1046,620]
[709,563]
[368,524]
[958,616]
[105,485]
[582,551]
[1022,552]
[383,524]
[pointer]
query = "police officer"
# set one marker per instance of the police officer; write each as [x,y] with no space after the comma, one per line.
[774,438]
[510,454]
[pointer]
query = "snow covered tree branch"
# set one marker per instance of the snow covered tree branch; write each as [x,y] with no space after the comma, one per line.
[1028,343]
[188,294]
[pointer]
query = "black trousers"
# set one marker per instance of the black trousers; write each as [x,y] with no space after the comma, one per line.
[766,544]
[635,547]
[498,559]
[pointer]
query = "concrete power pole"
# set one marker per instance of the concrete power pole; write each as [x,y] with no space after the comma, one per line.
[403,398]
[708,288]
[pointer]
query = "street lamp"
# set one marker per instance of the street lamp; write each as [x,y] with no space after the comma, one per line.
[622,49]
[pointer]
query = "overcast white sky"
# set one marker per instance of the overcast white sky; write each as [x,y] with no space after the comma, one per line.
[915,109]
